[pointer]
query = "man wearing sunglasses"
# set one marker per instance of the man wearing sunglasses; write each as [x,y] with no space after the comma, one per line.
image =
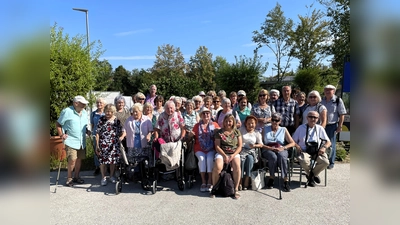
[311,132]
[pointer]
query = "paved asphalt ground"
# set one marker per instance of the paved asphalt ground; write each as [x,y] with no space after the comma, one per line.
[91,203]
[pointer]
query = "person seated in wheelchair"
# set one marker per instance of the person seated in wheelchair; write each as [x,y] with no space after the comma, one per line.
[311,144]
[170,125]
[275,149]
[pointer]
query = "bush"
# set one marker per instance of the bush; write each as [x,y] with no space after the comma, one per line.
[341,154]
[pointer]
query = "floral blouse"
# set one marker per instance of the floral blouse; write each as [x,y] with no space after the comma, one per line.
[262,113]
[170,126]
[228,143]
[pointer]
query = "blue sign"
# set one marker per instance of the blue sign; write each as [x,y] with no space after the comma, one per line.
[346,77]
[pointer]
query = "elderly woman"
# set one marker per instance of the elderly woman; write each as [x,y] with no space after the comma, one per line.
[242,110]
[251,140]
[309,133]
[178,104]
[148,111]
[211,93]
[94,120]
[228,145]
[109,133]
[222,94]
[198,102]
[226,109]
[170,125]
[233,97]
[159,108]
[204,147]
[122,112]
[276,142]
[140,98]
[262,110]
[314,104]
[216,107]
[208,101]
[190,116]
[138,128]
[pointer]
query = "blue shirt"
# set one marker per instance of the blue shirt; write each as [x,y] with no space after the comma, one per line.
[334,109]
[94,120]
[75,126]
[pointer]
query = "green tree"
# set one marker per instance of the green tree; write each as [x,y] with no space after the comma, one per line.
[177,85]
[244,74]
[310,39]
[72,65]
[141,80]
[201,68]
[220,65]
[169,61]
[103,75]
[308,79]
[339,26]
[121,81]
[274,34]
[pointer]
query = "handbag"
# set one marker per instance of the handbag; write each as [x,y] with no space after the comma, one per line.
[190,161]
[257,179]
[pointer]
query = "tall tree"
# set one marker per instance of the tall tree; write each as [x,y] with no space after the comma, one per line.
[169,60]
[310,39]
[72,65]
[339,25]
[141,80]
[274,34]
[121,81]
[201,68]
[244,74]
[103,75]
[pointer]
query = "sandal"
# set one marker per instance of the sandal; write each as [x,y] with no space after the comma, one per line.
[209,187]
[78,180]
[69,182]
[237,195]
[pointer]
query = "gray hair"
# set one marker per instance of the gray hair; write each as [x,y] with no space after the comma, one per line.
[222,92]
[177,99]
[167,103]
[316,93]
[197,98]
[103,100]
[137,106]
[276,115]
[139,95]
[189,102]
[119,98]
[226,101]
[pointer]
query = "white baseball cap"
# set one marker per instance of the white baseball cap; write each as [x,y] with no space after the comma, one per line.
[330,86]
[202,93]
[80,99]
[241,92]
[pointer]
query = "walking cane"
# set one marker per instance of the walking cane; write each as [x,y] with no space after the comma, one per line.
[59,166]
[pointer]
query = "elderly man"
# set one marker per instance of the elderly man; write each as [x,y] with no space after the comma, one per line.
[311,132]
[335,117]
[72,128]
[152,95]
[289,109]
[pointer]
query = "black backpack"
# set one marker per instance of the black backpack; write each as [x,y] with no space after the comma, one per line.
[225,185]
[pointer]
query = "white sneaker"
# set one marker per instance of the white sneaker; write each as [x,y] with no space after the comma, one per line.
[113,180]
[103,181]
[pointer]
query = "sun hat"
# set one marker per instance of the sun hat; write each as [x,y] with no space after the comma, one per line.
[80,99]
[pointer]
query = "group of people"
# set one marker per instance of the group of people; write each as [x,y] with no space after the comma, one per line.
[224,130]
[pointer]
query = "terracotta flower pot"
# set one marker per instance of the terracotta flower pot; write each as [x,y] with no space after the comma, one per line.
[57,148]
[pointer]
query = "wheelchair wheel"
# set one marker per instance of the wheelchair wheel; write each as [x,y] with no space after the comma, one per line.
[118,187]
[181,185]
[154,189]
[190,182]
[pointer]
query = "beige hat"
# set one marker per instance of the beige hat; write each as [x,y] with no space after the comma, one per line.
[204,109]
[80,99]
[330,87]
[202,93]
[241,92]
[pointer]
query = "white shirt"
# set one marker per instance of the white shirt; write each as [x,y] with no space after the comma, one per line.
[315,134]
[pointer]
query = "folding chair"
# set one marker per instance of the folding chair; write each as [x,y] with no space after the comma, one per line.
[328,152]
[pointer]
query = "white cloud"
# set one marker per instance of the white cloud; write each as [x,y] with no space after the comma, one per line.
[133,32]
[138,57]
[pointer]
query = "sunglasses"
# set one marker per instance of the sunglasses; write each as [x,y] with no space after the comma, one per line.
[313,117]
[312,96]
[141,99]
[262,95]
[215,101]
[272,120]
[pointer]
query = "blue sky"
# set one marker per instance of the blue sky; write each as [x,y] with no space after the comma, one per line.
[131,31]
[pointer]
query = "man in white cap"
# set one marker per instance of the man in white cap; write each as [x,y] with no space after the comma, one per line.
[72,128]
[273,96]
[335,117]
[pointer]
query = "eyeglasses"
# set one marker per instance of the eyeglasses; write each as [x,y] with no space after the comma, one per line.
[272,120]
[313,117]
[262,95]
[215,101]
[312,96]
